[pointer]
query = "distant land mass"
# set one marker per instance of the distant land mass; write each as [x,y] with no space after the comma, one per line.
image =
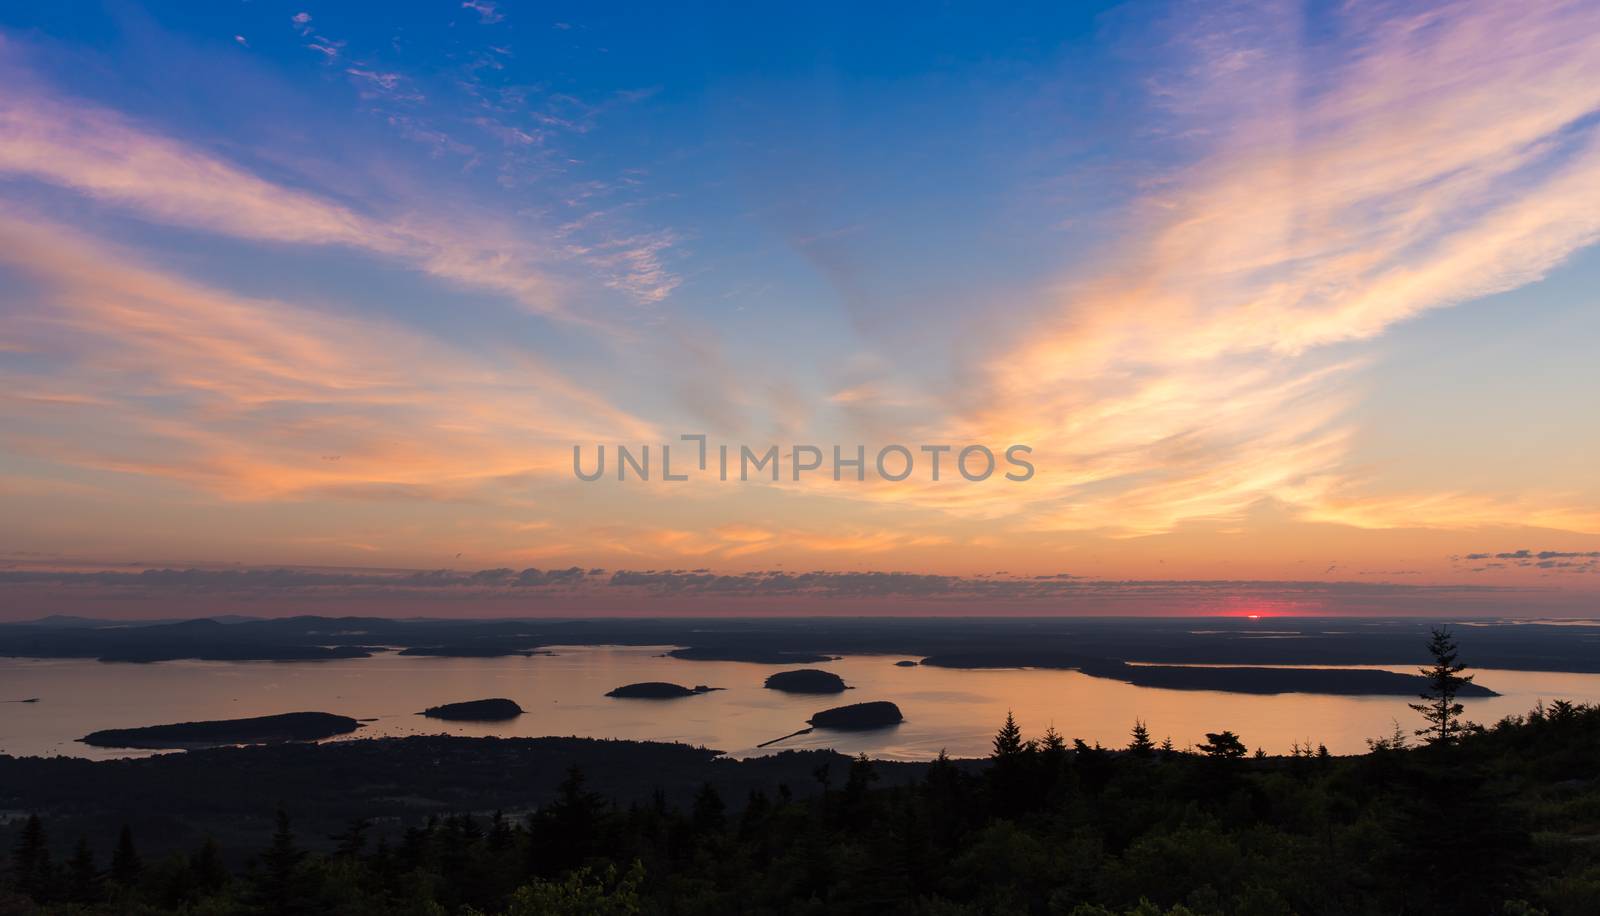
[806,680]
[240,654]
[752,654]
[469,651]
[497,709]
[1098,646]
[291,726]
[657,690]
[1342,681]
[1232,679]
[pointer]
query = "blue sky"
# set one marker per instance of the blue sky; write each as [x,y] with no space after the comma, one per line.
[1277,291]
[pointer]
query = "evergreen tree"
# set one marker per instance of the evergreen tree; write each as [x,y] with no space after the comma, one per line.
[30,860]
[500,832]
[206,865]
[349,842]
[276,889]
[1141,744]
[126,866]
[1008,744]
[1223,745]
[568,830]
[83,880]
[1052,743]
[709,808]
[1444,682]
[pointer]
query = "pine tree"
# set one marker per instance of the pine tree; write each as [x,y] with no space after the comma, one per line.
[1008,744]
[125,863]
[1444,682]
[500,833]
[708,811]
[349,842]
[1224,745]
[83,880]
[277,891]
[568,830]
[1141,744]
[206,865]
[30,859]
[1052,743]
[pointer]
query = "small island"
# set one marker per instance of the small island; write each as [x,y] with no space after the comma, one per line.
[806,680]
[877,714]
[906,663]
[498,709]
[292,726]
[658,690]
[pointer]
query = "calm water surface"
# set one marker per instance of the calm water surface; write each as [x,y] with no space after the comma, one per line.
[564,694]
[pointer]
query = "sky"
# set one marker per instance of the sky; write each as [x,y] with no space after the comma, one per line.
[1292,307]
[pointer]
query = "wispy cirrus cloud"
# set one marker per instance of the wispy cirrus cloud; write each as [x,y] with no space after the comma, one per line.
[148,373]
[1416,158]
[488,13]
[107,157]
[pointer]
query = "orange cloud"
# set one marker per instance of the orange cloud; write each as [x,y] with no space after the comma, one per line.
[1445,160]
[258,399]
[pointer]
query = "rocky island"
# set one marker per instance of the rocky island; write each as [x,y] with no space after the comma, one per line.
[806,680]
[498,709]
[292,726]
[657,690]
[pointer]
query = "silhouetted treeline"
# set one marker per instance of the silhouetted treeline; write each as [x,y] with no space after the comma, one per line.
[1499,821]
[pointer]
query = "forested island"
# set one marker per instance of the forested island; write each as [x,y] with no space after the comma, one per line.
[497,709]
[806,680]
[291,726]
[876,714]
[657,690]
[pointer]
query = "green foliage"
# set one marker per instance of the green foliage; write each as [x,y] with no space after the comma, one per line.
[581,893]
